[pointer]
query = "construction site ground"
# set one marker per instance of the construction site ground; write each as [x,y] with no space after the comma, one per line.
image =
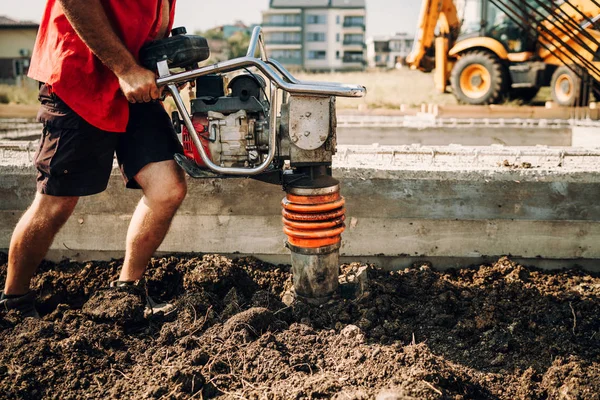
[500,331]
[495,331]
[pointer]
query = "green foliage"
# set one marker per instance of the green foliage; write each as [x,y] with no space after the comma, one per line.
[238,44]
[212,34]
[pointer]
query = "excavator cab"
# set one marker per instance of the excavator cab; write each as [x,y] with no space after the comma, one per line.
[485,19]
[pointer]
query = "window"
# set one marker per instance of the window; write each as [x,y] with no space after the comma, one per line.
[315,37]
[395,45]
[354,21]
[283,20]
[337,55]
[337,19]
[286,56]
[353,56]
[470,10]
[382,46]
[337,37]
[357,38]
[316,19]
[283,38]
[317,55]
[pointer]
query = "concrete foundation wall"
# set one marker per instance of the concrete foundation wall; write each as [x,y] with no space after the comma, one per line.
[403,204]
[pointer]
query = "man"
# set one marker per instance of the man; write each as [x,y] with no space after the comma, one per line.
[86,57]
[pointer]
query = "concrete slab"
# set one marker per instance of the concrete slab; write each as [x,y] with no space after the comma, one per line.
[404,203]
[443,136]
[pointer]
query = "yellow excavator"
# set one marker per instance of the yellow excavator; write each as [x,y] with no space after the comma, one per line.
[491,50]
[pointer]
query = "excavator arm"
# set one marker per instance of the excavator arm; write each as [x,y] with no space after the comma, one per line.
[434,13]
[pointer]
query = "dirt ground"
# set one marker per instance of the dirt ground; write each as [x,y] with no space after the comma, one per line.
[492,332]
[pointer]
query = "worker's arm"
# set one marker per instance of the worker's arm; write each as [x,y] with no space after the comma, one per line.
[89,20]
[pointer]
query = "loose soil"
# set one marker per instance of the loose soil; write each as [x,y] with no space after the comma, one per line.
[500,331]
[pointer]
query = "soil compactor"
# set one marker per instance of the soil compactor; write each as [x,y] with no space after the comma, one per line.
[238,127]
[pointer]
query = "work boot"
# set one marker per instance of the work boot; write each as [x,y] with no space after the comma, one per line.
[25,304]
[152,308]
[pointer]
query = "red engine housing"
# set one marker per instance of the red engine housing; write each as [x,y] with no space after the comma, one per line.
[189,149]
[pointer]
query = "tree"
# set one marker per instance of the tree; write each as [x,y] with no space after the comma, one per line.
[238,44]
[212,34]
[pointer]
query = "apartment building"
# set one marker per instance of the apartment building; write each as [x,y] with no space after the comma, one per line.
[316,35]
[389,51]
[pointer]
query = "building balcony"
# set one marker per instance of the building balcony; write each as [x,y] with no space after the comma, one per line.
[282,24]
[282,42]
[354,44]
[271,46]
[289,61]
[353,60]
[354,25]
[281,28]
[282,11]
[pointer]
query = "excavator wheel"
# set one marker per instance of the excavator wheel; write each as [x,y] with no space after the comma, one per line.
[479,78]
[565,87]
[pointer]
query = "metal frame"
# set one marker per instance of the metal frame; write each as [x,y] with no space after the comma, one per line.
[280,79]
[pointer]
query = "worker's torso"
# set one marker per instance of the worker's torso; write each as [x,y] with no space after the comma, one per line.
[61,59]
[163,18]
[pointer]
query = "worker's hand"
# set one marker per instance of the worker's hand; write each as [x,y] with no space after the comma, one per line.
[139,85]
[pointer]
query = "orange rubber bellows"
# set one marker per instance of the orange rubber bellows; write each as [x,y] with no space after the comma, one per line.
[313,221]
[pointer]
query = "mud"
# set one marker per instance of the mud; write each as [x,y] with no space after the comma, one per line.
[500,331]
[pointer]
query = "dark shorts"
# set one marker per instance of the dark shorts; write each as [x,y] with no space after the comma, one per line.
[76,159]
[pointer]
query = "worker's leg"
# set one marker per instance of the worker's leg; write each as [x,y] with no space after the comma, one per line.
[164,187]
[73,159]
[145,153]
[32,237]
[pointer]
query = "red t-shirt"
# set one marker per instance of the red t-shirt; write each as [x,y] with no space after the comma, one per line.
[61,59]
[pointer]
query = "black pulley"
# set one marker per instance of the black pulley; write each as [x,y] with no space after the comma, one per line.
[247,85]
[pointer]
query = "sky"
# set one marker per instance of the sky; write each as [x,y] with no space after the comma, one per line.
[384,17]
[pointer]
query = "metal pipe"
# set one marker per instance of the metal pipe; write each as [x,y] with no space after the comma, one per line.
[291,79]
[264,65]
[567,23]
[316,89]
[527,27]
[591,23]
[578,11]
[556,38]
[254,39]
[574,53]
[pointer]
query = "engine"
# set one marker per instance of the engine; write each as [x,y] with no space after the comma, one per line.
[231,120]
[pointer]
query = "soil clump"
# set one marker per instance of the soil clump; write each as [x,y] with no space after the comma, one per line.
[501,331]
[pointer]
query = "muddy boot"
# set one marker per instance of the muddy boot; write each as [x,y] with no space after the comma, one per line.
[125,302]
[152,308]
[25,304]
